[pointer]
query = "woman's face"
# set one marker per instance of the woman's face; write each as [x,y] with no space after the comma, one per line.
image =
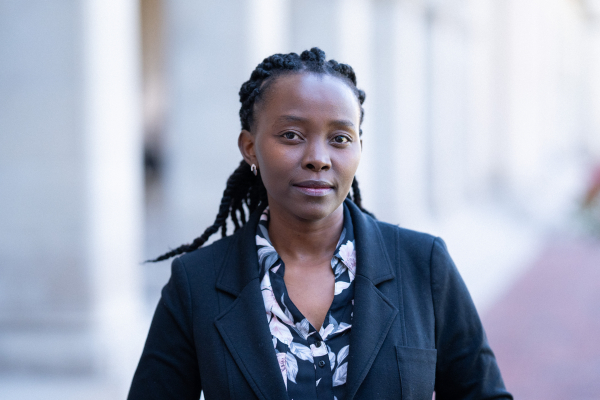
[305,143]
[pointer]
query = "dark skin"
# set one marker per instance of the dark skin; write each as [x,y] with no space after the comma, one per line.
[305,142]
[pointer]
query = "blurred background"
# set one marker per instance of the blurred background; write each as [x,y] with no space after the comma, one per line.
[118,130]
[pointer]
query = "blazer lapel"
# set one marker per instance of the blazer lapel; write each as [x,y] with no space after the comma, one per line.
[373,311]
[249,340]
[243,325]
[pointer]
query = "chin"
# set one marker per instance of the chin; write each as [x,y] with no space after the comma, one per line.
[315,210]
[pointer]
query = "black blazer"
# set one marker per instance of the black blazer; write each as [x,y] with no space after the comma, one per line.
[415,329]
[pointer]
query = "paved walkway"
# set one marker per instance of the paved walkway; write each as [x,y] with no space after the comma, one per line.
[545,330]
[49,388]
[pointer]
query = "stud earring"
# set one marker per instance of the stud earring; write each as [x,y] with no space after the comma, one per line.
[254,169]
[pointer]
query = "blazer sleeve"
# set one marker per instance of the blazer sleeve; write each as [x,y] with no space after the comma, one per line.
[168,368]
[466,366]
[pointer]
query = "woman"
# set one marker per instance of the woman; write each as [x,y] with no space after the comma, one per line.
[355,308]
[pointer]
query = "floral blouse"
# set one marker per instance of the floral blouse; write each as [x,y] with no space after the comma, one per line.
[313,362]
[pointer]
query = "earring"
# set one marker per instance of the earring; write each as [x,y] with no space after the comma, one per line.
[253,169]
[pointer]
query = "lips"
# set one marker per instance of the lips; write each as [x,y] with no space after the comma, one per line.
[314,188]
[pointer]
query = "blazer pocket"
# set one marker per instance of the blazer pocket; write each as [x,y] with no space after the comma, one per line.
[417,372]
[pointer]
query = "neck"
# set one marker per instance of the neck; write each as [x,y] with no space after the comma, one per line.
[298,239]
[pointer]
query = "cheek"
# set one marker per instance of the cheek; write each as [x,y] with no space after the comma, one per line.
[348,162]
[275,165]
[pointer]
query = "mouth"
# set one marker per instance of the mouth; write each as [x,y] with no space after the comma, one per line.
[314,188]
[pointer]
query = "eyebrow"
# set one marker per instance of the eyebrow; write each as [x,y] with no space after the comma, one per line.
[294,118]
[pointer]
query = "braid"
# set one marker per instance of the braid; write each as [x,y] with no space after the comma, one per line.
[237,192]
[244,189]
[356,197]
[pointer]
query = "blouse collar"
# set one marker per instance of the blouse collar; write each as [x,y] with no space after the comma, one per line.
[344,250]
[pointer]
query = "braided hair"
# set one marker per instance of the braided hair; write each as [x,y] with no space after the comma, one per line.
[243,187]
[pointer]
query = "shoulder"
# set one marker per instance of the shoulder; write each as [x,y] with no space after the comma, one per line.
[419,256]
[407,241]
[399,243]
[404,234]
[206,260]
[423,258]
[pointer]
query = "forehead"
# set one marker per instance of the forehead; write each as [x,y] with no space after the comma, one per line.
[310,96]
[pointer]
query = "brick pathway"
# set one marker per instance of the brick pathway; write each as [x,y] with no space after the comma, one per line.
[546,330]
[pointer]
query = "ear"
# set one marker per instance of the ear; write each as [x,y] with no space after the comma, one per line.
[246,146]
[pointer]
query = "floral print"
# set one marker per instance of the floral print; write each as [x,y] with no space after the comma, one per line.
[313,362]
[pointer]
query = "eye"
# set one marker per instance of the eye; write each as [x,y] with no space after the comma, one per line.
[341,139]
[290,135]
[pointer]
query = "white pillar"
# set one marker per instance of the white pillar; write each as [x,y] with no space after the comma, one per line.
[354,34]
[268,30]
[207,58]
[70,162]
[113,154]
[413,149]
[592,74]
[447,99]
[482,111]
[397,142]
[314,24]
[44,288]
[543,97]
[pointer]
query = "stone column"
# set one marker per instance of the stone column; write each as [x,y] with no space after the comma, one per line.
[354,21]
[314,24]
[483,113]
[543,100]
[397,144]
[268,24]
[211,49]
[446,103]
[112,148]
[70,169]
[44,287]
[592,75]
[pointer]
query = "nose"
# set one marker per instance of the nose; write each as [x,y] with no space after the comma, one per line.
[316,157]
